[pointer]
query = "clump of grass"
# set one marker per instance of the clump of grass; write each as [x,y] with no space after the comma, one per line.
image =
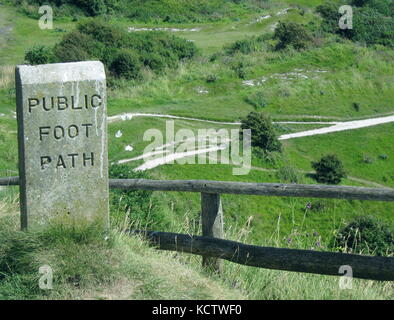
[258,100]
[88,263]
[6,77]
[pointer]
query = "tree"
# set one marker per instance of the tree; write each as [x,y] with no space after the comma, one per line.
[263,133]
[329,169]
[292,34]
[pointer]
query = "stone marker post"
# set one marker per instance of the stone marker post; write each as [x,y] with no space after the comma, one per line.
[62,135]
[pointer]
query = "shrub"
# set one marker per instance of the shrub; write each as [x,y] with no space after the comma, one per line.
[356,106]
[367,235]
[123,53]
[143,210]
[372,27]
[329,169]
[257,100]
[126,64]
[92,7]
[39,55]
[372,21]
[101,31]
[263,133]
[155,62]
[329,12]
[245,46]
[292,34]
[75,46]
[211,78]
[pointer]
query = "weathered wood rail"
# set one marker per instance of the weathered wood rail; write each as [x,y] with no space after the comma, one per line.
[365,267]
[213,248]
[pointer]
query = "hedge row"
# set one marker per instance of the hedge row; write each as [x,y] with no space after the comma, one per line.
[124,54]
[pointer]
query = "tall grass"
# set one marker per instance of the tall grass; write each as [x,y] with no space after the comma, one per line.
[7,77]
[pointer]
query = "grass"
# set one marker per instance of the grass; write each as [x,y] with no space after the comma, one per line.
[132,270]
[87,264]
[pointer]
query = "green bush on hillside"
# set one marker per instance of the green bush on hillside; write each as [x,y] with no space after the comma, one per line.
[174,11]
[329,169]
[263,133]
[39,55]
[365,235]
[123,53]
[126,64]
[373,21]
[75,46]
[244,46]
[257,100]
[292,34]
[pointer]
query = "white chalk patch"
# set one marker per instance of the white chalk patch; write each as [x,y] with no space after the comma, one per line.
[126,116]
[202,90]
[118,134]
[135,29]
[340,126]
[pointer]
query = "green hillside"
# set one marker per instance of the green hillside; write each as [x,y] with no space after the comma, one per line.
[216,61]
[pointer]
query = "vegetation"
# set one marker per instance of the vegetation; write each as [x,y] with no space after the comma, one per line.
[222,72]
[88,264]
[124,54]
[137,209]
[292,34]
[257,100]
[263,132]
[179,11]
[365,234]
[372,21]
[329,169]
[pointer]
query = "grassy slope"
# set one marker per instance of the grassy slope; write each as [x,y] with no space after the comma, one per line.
[85,266]
[367,74]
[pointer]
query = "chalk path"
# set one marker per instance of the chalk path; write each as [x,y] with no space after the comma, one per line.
[335,126]
[167,155]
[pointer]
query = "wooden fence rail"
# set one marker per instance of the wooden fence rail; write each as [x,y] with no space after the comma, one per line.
[318,262]
[262,189]
[212,248]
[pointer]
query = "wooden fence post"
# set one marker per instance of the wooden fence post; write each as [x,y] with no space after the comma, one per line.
[212,225]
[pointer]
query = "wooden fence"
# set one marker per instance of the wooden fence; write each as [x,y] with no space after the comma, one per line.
[213,248]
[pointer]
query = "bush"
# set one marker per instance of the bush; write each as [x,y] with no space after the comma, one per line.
[292,34]
[141,208]
[123,53]
[373,21]
[211,78]
[365,235]
[263,133]
[39,55]
[372,27]
[245,46]
[126,64]
[329,11]
[329,169]
[75,46]
[257,100]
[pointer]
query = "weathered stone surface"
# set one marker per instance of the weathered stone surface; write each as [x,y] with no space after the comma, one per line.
[62,133]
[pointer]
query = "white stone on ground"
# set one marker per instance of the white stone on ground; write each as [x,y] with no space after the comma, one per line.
[118,134]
